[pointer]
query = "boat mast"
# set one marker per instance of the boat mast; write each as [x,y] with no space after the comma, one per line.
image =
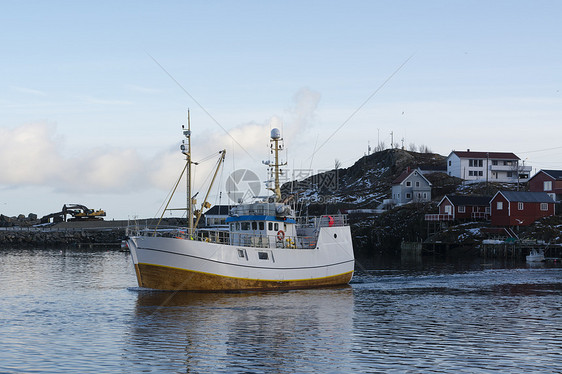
[186,150]
[276,146]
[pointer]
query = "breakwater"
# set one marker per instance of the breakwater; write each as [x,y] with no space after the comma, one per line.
[36,237]
[78,233]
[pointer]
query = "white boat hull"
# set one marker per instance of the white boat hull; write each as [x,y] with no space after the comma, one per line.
[180,264]
[535,256]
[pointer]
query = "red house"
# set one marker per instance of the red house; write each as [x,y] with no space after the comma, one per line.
[515,208]
[549,181]
[467,207]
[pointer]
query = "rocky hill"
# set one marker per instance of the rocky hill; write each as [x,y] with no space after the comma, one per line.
[361,188]
[364,185]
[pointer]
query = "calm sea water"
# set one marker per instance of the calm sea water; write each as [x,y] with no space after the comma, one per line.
[72,311]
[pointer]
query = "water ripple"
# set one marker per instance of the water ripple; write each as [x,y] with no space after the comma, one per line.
[76,311]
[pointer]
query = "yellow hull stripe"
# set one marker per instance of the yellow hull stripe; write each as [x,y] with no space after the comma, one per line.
[247,279]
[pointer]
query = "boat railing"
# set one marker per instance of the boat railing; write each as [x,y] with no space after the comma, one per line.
[336,220]
[241,239]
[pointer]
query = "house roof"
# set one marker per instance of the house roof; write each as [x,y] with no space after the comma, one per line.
[218,210]
[554,174]
[406,173]
[490,155]
[526,197]
[468,200]
[402,176]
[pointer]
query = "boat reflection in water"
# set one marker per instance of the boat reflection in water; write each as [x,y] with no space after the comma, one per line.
[296,331]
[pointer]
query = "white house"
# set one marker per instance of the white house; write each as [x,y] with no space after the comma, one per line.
[503,167]
[411,186]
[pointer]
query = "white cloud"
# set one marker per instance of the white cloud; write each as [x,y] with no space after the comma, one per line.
[34,154]
[31,154]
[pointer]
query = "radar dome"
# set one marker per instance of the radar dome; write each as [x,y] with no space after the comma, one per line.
[275,133]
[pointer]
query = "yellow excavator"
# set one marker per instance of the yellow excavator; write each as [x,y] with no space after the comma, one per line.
[76,211]
[80,212]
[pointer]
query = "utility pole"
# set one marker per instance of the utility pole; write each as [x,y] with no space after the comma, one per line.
[487,169]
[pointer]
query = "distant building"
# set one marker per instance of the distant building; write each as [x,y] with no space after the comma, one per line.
[216,215]
[504,167]
[516,208]
[411,186]
[462,207]
[549,181]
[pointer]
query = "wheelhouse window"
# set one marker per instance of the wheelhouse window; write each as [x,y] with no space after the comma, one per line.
[261,225]
[270,226]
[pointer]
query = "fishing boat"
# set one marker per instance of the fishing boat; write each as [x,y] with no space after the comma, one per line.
[266,245]
[536,255]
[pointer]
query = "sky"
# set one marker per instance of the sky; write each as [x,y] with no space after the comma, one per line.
[93,94]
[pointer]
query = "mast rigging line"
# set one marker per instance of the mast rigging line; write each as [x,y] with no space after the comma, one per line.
[170,198]
[199,105]
[380,87]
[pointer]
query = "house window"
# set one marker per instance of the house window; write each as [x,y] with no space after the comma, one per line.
[449,162]
[480,173]
[544,207]
[494,162]
[408,184]
[417,184]
[509,174]
[425,195]
[408,196]
[547,185]
[520,205]
[448,209]
[462,209]
[500,205]
[470,173]
[475,163]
